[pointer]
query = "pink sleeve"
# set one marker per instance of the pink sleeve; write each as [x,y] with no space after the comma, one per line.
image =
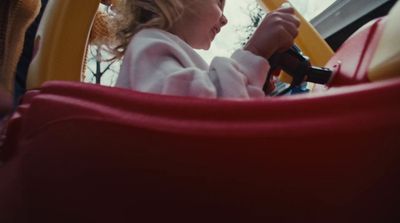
[163,68]
[241,76]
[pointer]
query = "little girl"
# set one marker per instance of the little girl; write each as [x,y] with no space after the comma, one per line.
[157,40]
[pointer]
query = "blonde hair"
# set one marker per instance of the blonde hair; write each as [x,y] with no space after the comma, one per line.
[131,16]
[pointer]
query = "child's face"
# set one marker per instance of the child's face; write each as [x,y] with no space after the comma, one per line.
[201,22]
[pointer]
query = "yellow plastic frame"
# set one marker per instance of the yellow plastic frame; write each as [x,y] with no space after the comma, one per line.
[385,63]
[61,41]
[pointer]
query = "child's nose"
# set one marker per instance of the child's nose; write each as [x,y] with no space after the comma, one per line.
[223,20]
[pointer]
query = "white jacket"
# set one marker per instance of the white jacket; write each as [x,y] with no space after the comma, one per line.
[157,61]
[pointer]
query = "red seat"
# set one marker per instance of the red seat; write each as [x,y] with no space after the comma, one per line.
[90,153]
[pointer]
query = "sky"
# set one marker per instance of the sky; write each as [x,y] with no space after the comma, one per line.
[237,12]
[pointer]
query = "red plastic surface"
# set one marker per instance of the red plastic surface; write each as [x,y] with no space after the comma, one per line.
[83,153]
[352,60]
[86,153]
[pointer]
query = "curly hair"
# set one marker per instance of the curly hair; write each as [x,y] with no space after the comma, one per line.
[131,16]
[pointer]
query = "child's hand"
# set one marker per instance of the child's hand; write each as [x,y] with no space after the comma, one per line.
[276,33]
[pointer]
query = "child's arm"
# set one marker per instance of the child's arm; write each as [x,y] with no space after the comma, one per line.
[158,63]
[243,75]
